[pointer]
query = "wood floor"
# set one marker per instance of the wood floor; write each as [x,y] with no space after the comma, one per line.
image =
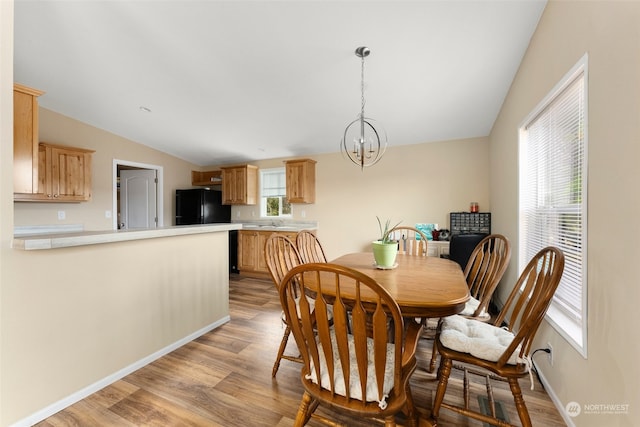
[224,379]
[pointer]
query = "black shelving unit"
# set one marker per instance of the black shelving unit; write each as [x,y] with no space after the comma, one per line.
[470,222]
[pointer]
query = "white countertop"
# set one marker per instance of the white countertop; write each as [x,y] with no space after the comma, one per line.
[83,238]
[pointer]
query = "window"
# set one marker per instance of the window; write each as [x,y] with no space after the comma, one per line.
[553,196]
[273,202]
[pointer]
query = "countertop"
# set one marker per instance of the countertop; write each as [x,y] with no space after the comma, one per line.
[52,241]
[279,226]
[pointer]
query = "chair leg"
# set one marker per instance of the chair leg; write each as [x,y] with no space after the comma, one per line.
[434,358]
[523,413]
[305,410]
[283,346]
[443,374]
[412,413]
[390,421]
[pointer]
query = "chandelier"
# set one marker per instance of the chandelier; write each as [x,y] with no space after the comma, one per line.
[369,142]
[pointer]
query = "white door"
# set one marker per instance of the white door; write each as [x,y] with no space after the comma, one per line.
[138,194]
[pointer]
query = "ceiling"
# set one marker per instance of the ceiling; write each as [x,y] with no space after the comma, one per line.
[219,82]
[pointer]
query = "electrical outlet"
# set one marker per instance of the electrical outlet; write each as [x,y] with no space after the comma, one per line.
[61,215]
[550,354]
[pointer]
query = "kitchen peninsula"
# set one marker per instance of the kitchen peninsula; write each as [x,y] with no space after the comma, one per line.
[113,301]
[53,241]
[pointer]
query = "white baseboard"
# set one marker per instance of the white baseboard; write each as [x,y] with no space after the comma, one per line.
[554,398]
[99,385]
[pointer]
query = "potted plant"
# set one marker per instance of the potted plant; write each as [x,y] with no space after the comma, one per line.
[385,249]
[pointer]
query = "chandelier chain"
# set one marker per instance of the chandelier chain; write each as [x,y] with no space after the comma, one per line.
[362,87]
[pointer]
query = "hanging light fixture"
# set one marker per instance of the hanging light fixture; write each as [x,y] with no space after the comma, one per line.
[369,141]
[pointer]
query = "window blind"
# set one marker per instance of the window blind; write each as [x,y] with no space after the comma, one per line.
[552,190]
[273,183]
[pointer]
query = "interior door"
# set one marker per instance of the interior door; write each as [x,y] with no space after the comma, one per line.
[138,196]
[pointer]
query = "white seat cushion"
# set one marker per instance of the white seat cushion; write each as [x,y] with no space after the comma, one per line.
[355,387]
[479,339]
[470,307]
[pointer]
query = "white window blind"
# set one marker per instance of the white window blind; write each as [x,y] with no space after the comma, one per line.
[553,192]
[273,183]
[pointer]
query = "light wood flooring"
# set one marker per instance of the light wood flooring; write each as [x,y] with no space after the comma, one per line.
[223,378]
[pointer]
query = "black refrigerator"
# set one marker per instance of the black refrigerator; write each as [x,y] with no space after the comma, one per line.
[204,206]
[201,206]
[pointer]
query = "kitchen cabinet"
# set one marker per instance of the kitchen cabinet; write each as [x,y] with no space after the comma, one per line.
[240,185]
[206,178]
[301,180]
[251,259]
[64,175]
[25,139]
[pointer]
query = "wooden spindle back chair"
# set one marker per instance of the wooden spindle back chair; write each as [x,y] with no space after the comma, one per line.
[309,247]
[411,241]
[348,362]
[507,357]
[281,255]
[483,272]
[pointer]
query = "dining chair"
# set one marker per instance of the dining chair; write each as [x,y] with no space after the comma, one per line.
[500,349]
[484,270]
[281,255]
[309,247]
[351,364]
[411,241]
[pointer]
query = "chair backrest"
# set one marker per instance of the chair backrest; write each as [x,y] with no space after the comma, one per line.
[357,332]
[281,256]
[309,247]
[411,241]
[485,268]
[529,300]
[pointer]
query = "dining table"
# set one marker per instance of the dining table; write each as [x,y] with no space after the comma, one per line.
[425,287]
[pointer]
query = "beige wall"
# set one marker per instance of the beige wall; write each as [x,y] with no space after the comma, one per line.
[412,183]
[609,33]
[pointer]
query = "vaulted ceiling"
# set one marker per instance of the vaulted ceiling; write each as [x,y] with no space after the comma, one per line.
[218,82]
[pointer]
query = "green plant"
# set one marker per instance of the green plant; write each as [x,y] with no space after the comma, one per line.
[384,231]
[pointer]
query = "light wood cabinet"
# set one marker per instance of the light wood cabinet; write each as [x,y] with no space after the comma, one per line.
[240,185]
[206,178]
[251,260]
[25,139]
[301,180]
[64,175]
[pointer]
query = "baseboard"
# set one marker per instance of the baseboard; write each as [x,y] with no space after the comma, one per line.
[554,398]
[99,385]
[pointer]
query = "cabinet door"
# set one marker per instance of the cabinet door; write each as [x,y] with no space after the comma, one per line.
[301,181]
[240,186]
[25,140]
[70,174]
[247,250]
[228,186]
[262,260]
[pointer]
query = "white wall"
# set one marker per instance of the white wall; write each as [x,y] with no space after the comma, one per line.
[610,33]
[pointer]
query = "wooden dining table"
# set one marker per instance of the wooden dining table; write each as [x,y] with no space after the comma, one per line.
[422,286]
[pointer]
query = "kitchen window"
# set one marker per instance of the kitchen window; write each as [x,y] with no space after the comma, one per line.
[553,197]
[273,188]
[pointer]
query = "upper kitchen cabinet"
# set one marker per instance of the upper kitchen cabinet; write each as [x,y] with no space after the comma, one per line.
[206,178]
[301,180]
[240,185]
[64,175]
[25,139]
